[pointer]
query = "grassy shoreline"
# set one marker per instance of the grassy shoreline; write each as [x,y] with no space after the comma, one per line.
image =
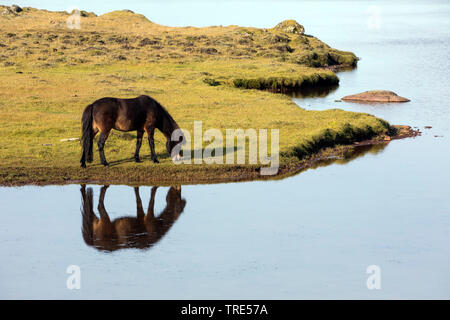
[195,174]
[223,76]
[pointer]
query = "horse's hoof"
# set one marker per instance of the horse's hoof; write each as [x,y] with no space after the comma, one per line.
[155,160]
[137,160]
[106,164]
[83,166]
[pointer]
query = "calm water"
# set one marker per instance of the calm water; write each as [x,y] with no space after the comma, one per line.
[309,236]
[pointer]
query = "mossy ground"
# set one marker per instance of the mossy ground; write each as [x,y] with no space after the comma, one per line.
[48,74]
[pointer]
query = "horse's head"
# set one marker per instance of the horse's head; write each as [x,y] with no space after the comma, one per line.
[174,199]
[175,143]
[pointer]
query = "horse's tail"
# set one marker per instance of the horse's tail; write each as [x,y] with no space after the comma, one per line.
[88,133]
[87,212]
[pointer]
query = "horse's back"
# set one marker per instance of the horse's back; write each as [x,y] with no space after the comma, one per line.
[128,114]
[142,101]
[106,102]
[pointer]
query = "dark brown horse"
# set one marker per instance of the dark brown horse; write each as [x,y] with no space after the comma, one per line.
[141,114]
[142,231]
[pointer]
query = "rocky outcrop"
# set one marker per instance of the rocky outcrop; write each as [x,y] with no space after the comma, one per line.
[290,26]
[16,8]
[375,96]
[12,10]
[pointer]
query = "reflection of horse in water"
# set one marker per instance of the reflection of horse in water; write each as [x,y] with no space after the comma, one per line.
[141,231]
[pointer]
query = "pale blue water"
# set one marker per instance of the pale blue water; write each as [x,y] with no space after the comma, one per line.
[309,236]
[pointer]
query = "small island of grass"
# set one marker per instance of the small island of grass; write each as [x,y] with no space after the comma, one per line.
[222,76]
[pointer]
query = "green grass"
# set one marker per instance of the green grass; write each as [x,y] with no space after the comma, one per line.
[44,92]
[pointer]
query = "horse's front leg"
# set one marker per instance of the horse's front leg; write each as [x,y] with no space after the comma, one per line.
[151,142]
[150,216]
[149,220]
[140,134]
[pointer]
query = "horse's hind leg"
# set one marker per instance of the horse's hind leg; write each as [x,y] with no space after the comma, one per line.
[140,134]
[106,226]
[83,160]
[84,155]
[101,147]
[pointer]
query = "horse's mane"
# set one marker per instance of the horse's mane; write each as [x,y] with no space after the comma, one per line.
[168,123]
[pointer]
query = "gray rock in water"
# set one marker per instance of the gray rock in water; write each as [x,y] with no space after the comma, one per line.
[375,96]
